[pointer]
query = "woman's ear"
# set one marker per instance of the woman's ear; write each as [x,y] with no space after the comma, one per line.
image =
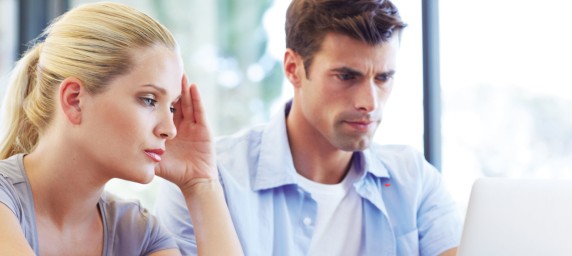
[70,93]
[293,67]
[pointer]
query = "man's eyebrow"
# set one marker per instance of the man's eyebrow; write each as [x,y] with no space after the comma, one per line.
[161,90]
[347,70]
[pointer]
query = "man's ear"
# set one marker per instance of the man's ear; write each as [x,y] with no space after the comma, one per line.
[71,90]
[294,67]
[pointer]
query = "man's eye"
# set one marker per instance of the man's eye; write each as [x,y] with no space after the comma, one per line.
[384,78]
[345,76]
[149,102]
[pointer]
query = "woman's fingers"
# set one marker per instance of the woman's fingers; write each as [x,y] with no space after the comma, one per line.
[198,108]
[191,104]
[186,100]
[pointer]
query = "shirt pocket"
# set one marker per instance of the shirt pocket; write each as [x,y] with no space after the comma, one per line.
[408,243]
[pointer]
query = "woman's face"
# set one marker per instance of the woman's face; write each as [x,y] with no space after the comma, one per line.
[126,126]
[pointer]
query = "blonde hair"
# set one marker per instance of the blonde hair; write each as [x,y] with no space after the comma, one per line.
[93,43]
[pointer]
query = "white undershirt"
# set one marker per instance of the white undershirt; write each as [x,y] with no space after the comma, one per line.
[337,227]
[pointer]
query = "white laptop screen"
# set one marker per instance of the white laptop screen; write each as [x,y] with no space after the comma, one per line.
[518,217]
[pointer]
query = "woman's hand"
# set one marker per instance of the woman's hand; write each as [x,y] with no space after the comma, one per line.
[189,162]
[190,155]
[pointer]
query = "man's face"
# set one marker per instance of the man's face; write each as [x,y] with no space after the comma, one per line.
[342,97]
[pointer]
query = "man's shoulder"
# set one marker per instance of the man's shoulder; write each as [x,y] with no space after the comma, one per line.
[237,142]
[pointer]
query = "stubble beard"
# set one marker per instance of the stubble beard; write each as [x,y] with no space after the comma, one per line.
[351,142]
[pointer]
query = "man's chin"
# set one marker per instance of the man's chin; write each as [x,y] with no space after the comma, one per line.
[355,145]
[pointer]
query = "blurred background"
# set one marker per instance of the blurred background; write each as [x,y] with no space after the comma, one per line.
[501,100]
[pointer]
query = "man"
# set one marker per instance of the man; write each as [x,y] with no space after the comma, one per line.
[311,182]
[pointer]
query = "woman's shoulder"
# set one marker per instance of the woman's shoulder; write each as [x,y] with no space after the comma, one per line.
[14,190]
[117,209]
[17,196]
[11,169]
[128,221]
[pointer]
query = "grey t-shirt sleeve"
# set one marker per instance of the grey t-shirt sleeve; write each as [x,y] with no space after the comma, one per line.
[15,193]
[159,238]
[7,194]
[131,229]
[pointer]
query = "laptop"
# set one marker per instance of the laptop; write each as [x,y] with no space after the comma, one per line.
[518,217]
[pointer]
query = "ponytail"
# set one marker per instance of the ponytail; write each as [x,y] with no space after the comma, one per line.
[17,133]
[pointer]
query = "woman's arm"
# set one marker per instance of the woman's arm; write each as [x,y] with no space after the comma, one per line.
[189,162]
[210,218]
[11,235]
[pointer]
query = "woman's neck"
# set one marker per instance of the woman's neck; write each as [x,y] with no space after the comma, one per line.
[65,189]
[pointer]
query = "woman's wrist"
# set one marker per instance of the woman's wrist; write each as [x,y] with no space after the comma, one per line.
[198,186]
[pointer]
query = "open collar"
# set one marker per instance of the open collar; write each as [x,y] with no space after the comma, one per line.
[275,166]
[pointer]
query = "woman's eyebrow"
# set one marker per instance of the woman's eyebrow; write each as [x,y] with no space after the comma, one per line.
[161,90]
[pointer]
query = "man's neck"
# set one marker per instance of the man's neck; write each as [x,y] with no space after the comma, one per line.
[325,168]
[314,157]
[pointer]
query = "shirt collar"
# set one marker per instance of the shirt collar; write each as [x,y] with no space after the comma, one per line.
[374,165]
[276,167]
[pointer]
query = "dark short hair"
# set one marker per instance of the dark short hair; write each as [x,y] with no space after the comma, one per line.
[308,22]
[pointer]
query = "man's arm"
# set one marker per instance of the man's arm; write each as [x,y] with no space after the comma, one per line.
[450,252]
[440,223]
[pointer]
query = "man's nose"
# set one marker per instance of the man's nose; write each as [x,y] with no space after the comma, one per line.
[367,98]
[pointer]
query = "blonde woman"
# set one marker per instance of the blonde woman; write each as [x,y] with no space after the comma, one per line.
[104,96]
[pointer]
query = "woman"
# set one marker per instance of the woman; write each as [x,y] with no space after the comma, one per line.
[102,97]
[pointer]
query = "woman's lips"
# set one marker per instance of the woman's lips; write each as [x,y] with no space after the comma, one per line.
[155,154]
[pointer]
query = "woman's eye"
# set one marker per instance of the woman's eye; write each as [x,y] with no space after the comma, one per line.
[149,102]
[172,109]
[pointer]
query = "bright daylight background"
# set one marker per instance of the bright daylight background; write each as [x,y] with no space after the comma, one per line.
[505,87]
[507,93]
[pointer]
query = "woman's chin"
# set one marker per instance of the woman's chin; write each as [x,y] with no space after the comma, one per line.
[142,178]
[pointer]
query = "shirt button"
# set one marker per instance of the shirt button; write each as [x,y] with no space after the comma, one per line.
[307,221]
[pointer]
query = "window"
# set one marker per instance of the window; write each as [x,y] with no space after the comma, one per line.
[506,90]
[403,117]
[8,37]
